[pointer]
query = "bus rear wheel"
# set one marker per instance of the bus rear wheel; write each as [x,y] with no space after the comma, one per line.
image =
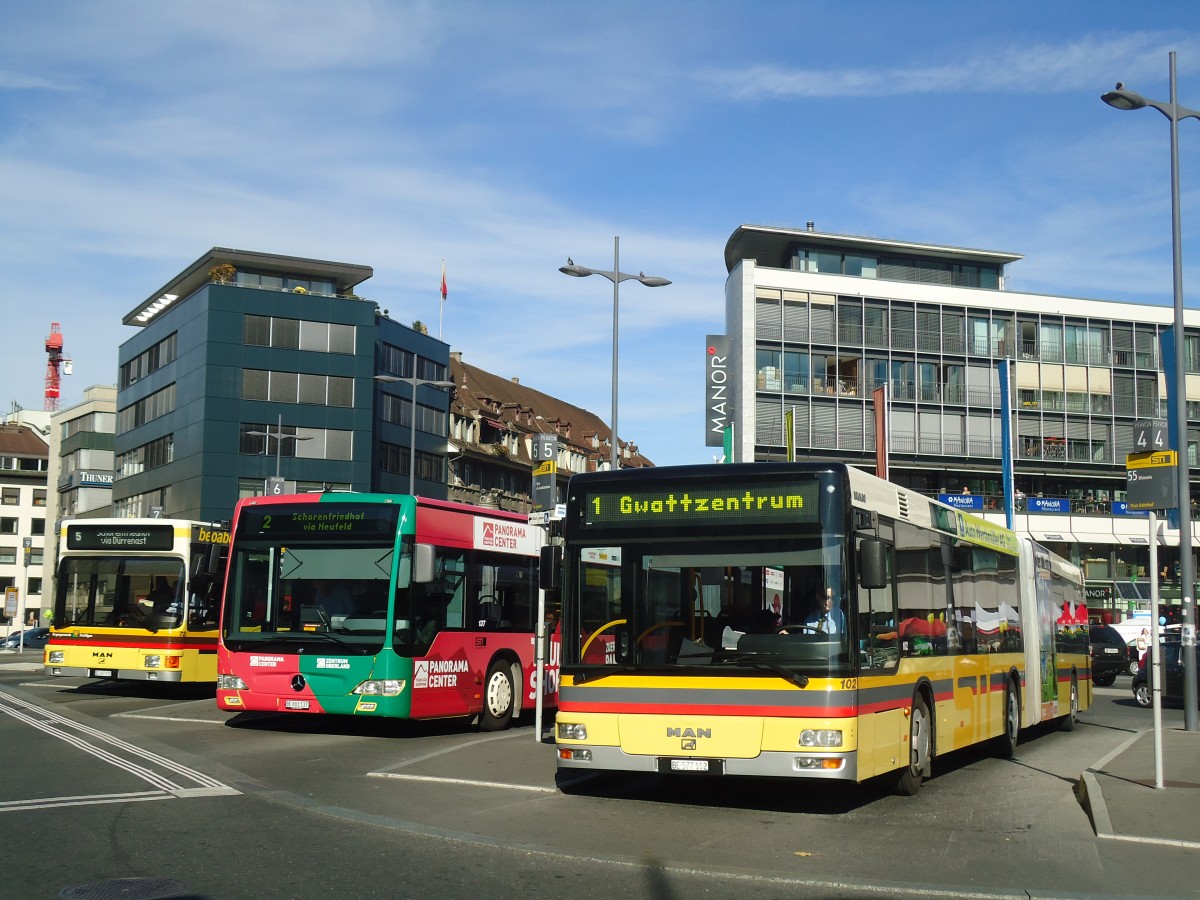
[498,695]
[920,750]
[1005,745]
[1067,722]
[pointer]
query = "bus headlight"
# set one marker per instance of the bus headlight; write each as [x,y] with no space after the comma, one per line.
[230,683]
[56,656]
[822,737]
[821,763]
[386,687]
[153,662]
[572,731]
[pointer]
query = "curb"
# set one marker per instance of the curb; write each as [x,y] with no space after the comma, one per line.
[1092,801]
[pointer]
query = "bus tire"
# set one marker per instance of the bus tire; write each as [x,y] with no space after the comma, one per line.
[499,694]
[920,750]
[1067,722]
[1005,745]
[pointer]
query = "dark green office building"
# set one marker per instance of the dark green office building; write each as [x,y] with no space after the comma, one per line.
[249,366]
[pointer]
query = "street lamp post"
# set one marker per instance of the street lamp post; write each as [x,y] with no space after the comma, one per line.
[279,436]
[412,441]
[616,276]
[1125,99]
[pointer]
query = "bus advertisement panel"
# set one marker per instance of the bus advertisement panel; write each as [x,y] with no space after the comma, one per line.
[137,599]
[802,620]
[381,605]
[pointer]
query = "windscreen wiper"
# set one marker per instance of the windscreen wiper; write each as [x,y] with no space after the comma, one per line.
[755,662]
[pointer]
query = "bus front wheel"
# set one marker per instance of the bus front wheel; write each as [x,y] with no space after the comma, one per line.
[920,750]
[498,695]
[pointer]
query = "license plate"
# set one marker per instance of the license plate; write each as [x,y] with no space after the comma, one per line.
[295,704]
[1111,650]
[102,673]
[692,766]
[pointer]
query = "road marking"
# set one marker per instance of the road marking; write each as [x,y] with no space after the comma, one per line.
[83,800]
[172,779]
[466,781]
[165,718]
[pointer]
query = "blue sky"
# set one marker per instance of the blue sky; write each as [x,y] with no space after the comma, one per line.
[504,137]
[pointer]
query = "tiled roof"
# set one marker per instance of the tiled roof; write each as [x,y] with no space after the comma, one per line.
[522,410]
[21,440]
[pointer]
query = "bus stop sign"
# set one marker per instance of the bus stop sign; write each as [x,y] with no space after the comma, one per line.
[1151,479]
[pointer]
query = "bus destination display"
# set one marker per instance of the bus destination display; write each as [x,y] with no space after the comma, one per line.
[662,507]
[318,521]
[120,537]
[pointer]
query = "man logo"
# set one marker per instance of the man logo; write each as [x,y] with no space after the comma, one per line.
[688,744]
[689,732]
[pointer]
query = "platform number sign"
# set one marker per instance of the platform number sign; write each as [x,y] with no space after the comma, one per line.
[545,470]
[1150,435]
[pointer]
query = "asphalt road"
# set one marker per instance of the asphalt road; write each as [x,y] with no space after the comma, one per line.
[102,782]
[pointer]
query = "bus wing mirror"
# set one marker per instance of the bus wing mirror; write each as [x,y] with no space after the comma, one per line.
[423,564]
[550,568]
[872,564]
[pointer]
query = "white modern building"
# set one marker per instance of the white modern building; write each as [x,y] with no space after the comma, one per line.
[23,461]
[816,322]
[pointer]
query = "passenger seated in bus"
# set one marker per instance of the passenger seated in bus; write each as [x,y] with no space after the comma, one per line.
[333,598]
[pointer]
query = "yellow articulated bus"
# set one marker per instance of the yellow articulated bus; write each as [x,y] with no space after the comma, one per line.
[138,599]
[802,620]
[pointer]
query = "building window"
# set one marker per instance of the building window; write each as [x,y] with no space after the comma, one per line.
[149,361]
[34,587]
[296,387]
[10,496]
[39,496]
[293,334]
[157,453]
[146,410]
[37,526]
[141,505]
[398,411]
[394,459]
[297,443]
[8,556]
[8,526]
[396,361]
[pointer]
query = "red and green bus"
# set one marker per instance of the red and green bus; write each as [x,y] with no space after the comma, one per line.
[802,620]
[381,605]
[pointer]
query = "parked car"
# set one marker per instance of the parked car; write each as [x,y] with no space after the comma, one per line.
[34,639]
[1166,633]
[1110,654]
[1172,651]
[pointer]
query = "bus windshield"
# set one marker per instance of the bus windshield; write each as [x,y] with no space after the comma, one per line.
[309,591]
[122,592]
[717,604]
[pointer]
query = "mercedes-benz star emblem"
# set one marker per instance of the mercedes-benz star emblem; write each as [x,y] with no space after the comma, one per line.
[298,682]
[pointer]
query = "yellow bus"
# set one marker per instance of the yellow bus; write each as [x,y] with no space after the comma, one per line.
[137,599]
[802,620]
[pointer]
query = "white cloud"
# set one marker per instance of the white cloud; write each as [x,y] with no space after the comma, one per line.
[985,68]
